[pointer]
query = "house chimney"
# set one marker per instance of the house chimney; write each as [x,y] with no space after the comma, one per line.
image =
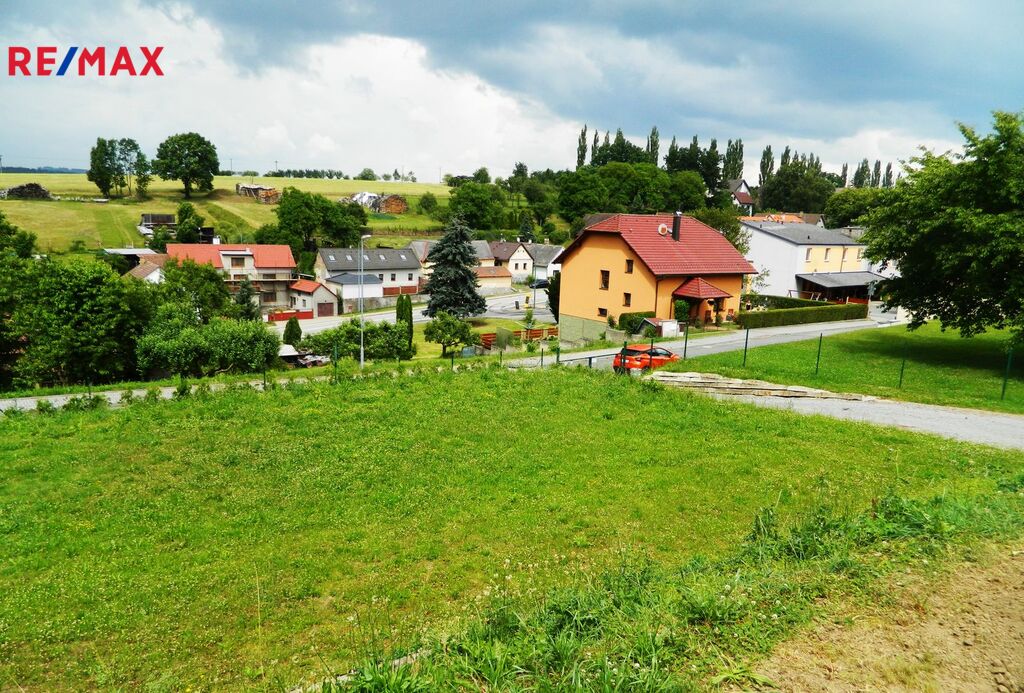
[676,219]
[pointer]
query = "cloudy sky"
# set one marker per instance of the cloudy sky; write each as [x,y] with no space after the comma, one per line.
[448,86]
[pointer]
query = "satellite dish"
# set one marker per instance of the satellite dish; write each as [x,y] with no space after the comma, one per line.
[663,230]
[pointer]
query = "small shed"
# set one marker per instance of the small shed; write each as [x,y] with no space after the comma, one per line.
[306,294]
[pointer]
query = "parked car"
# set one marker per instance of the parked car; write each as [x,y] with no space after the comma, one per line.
[642,357]
[539,284]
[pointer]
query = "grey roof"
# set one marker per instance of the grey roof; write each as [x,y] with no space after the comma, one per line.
[802,234]
[543,253]
[734,184]
[129,251]
[347,259]
[348,279]
[422,248]
[838,280]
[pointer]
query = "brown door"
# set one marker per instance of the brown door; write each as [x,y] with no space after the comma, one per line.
[324,310]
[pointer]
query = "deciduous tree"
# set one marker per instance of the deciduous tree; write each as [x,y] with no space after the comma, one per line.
[449,331]
[188,157]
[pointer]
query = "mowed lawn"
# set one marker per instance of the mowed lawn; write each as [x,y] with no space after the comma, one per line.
[60,223]
[941,367]
[245,538]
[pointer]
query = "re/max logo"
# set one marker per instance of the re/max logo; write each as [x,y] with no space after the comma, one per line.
[22,61]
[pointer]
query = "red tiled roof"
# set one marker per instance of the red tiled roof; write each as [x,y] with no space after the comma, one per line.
[700,249]
[743,198]
[698,288]
[485,272]
[264,256]
[306,286]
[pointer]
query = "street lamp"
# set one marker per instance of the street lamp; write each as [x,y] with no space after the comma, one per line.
[362,353]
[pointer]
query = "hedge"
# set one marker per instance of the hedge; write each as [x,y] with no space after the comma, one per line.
[799,316]
[774,302]
[630,322]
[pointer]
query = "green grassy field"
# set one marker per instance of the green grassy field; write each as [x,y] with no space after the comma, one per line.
[253,540]
[941,367]
[60,223]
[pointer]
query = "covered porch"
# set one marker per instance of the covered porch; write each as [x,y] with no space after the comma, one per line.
[705,299]
[845,287]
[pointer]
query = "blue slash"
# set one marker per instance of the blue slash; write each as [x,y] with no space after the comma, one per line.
[67,61]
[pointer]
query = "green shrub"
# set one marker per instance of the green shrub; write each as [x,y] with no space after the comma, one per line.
[630,322]
[292,331]
[45,406]
[800,316]
[778,302]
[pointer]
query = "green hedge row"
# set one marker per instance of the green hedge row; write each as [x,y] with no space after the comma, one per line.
[799,316]
[774,302]
[630,322]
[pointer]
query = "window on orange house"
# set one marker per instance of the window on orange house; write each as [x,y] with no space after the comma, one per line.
[605,278]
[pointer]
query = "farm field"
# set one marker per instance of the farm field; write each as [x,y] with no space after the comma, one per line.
[334,521]
[941,367]
[59,224]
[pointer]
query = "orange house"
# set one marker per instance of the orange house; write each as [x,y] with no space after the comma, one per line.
[632,263]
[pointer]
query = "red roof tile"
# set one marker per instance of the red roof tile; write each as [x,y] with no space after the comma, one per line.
[264,256]
[306,286]
[698,288]
[743,198]
[700,249]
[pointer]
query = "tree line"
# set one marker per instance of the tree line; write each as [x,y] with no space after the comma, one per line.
[189,157]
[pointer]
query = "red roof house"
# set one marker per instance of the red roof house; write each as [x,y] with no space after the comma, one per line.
[630,263]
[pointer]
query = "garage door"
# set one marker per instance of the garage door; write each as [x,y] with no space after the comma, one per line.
[324,310]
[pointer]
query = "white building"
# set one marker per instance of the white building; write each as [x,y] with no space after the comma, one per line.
[513,256]
[808,261]
[545,259]
[397,270]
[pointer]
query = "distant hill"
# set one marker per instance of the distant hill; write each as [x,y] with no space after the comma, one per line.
[42,169]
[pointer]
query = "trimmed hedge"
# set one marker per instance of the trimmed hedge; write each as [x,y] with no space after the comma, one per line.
[799,316]
[778,302]
[630,322]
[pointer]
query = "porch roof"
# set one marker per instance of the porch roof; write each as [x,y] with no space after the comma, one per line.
[839,280]
[696,287]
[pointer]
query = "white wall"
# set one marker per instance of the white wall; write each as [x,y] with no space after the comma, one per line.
[781,258]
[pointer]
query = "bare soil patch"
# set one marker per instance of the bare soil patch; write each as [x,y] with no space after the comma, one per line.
[964,632]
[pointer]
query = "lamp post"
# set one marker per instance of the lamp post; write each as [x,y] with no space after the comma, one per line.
[362,353]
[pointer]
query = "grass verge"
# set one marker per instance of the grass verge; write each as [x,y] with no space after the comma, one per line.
[940,368]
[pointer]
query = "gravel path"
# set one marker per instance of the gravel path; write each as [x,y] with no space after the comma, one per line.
[972,425]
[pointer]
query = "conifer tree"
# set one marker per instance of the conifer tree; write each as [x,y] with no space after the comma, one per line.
[452,285]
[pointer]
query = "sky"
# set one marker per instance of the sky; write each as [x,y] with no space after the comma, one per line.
[445,87]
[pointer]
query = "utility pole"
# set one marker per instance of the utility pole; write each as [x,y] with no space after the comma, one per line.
[275,166]
[1,164]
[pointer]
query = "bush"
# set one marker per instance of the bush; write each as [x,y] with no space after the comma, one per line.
[772,302]
[630,322]
[292,331]
[382,341]
[800,316]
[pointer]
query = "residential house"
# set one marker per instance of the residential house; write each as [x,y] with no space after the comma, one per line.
[306,294]
[741,195]
[786,218]
[268,267]
[348,289]
[493,280]
[630,263]
[545,259]
[514,256]
[422,248]
[806,260]
[149,269]
[131,255]
[397,269]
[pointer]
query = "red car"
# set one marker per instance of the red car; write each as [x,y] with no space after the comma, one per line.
[642,357]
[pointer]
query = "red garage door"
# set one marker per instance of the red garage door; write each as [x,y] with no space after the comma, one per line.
[324,310]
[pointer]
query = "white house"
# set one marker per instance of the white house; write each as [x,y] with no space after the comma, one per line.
[422,248]
[397,270]
[741,195]
[513,256]
[545,259]
[306,294]
[809,261]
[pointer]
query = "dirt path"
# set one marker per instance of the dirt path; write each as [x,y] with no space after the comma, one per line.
[963,633]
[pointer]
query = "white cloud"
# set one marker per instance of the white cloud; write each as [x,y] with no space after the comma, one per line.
[365,100]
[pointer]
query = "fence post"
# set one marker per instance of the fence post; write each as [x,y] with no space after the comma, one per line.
[1006,375]
[903,365]
[499,357]
[746,343]
[558,355]
[817,361]
[541,355]
[590,362]
[264,377]
[453,360]
[686,338]
[335,362]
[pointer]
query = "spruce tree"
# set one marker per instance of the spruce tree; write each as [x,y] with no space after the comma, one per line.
[292,332]
[244,299]
[526,228]
[452,285]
